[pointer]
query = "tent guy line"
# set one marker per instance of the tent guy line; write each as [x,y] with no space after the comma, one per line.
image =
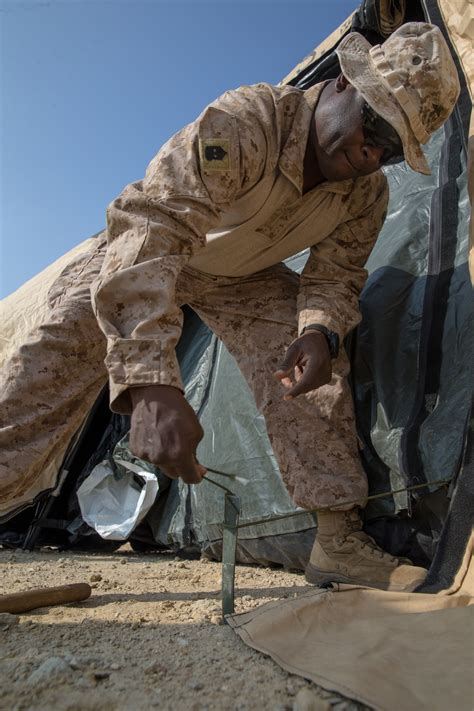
[231,526]
[309,511]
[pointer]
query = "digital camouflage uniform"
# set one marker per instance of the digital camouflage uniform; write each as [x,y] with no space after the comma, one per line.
[220,207]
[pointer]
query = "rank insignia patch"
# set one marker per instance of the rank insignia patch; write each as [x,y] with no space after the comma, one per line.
[214,153]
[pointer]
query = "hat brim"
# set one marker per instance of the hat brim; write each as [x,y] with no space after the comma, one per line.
[353,53]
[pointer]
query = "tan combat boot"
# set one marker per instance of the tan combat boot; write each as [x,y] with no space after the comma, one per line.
[343,553]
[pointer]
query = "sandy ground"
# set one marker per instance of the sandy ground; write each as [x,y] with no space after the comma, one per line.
[149,637]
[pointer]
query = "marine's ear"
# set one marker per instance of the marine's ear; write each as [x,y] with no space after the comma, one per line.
[341,83]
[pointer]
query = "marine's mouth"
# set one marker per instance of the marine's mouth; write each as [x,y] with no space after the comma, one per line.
[356,170]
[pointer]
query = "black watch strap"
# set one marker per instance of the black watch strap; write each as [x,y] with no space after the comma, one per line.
[331,337]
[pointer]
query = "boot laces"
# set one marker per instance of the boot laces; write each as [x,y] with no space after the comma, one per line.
[353,523]
[370,545]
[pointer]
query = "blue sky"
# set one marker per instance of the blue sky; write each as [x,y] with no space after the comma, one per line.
[92,88]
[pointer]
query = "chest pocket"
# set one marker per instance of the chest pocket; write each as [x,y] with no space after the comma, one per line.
[278,211]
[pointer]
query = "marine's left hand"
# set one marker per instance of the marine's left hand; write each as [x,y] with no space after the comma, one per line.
[307,365]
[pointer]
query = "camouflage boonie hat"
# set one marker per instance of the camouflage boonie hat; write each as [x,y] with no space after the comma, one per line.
[410,81]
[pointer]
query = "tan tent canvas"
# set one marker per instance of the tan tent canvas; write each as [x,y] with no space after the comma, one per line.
[390,651]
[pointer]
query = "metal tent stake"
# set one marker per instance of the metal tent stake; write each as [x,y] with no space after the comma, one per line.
[232,511]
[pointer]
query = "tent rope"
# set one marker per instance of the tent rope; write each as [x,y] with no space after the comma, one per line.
[231,526]
[293,514]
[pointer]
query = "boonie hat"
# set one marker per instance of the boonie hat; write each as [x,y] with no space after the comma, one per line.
[410,81]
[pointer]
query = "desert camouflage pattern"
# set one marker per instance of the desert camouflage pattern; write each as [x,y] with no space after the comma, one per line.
[230,212]
[410,80]
[220,206]
[313,436]
[51,383]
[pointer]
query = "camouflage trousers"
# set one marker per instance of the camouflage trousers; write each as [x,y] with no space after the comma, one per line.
[51,380]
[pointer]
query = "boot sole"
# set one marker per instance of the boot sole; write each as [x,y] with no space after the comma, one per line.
[318,577]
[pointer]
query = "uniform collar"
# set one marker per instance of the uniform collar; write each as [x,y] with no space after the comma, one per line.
[291,160]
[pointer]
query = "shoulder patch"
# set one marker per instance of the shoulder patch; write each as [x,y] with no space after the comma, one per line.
[214,153]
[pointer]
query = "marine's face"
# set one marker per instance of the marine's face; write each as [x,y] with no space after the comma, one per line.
[344,149]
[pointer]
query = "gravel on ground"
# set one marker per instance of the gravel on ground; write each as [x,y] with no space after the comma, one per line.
[150,636]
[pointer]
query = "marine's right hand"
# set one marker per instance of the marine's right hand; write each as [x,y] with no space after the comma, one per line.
[166,432]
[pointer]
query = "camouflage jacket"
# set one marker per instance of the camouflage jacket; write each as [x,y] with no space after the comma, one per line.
[224,196]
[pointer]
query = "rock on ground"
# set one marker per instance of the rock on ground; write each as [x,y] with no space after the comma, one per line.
[8,620]
[306,700]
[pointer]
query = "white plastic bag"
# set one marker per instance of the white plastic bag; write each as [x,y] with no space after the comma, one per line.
[113,505]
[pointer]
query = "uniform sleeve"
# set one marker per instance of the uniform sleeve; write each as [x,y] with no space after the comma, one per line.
[334,274]
[153,229]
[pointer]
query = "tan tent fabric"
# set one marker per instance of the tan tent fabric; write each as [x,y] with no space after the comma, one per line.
[325,46]
[391,651]
[459,18]
[27,307]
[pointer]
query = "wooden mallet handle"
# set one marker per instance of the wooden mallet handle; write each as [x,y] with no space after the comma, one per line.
[44,597]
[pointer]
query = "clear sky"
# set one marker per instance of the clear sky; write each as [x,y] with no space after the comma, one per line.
[92,88]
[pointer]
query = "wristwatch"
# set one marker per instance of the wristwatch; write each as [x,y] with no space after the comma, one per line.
[331,338]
